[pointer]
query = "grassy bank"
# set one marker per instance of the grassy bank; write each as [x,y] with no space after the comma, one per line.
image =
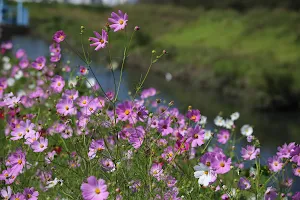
[254,55]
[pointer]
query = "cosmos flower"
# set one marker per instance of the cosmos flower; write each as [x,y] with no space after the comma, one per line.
[270,194]
[193,115]
[59,36]
[246,130]
[204,174]
[286,150]
[96,146]
[250,153]
[223,136]
[40,145]
[94,189]
[100,41]
[244,184]
[39,63]
[119,21]
[157,171]
[275,164]
[57,83]
[6,193]
[30,194]
[65,107]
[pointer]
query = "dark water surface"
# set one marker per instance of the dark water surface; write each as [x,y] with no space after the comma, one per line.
[272,128]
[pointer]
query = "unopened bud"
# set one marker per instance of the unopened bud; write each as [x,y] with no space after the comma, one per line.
[171,103]
[136,28]
[153,51]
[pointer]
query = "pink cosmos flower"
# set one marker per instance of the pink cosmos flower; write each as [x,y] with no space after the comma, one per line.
[168,154]
[18,196]
[24,63]
[30,194]
[270,194]
[94,189]
[20,53]
[164,127]
[296,171]
[96,146]
[193,115]
[196,136]
[296,155]
[39,63]
[59,36]
[275,164]
[244,184]
[107,165]
[100,41]
[70,94]
[146,93]
[57,83]
[157,171]
[41,145]
[6,193]
[136,137]
[286,150]
[125,112]
[223,136]
[221,165]
[65,107]
[119,21]
[250,153]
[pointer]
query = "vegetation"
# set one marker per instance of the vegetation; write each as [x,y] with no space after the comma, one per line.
[255,52]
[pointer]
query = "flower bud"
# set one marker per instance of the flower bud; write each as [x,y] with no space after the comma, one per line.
[136,28]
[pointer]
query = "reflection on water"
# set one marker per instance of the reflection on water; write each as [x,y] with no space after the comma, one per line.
[272,128]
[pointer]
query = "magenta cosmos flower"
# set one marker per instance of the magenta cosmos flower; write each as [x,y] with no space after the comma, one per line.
[40,146]
[57,83]
[100,41]
[59,36]
[250,153]
[39,63]
[275,164]
[194,115]
[223,136]
[31,194]
[66,107]
[286,150]
[244,184]
[196,136]
[94,189]
[119,21]
[270,194]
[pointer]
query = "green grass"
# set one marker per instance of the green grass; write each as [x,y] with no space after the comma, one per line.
[224,49]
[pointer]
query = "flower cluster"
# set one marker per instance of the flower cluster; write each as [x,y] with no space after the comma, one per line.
[69,138]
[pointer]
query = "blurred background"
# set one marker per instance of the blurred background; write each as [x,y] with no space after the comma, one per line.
[223,55]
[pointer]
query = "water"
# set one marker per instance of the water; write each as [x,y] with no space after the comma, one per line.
[272,128]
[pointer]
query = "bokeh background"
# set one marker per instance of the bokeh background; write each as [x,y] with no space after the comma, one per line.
[223,55]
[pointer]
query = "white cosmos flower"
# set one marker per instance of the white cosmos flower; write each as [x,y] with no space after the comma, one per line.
[228,123]
[72,82]
[5,59]
[203,120]
[51,184]
[19,75]
[219,121]
[246,130]
[90,82]
[10,81]
[235,116]
[21,93]
[6,193]
[204,174]
[6,66]
[207,134]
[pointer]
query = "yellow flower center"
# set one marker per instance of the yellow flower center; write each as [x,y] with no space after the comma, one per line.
[41,146]
[206,172]
[29,195]
[97,190]
[222,164]
[127,112]
[196,136]
[207,164]
[20,162]
[121,21]
[84,102]
[67,108]
[193,117]
[101,41]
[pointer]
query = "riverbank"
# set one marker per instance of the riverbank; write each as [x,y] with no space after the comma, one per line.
[252,56]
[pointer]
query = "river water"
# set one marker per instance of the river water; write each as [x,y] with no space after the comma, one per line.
[272,128]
